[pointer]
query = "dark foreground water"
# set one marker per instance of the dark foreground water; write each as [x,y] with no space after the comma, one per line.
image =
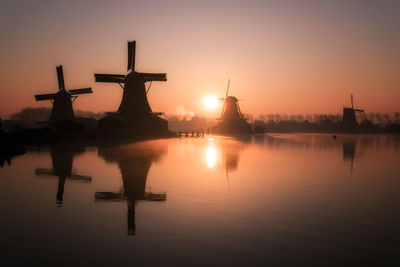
[294,200]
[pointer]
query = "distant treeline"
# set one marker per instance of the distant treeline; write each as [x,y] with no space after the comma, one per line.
[43,114]
[375,118]
[371,122]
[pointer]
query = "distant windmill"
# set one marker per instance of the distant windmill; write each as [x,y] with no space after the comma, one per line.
[134,100]
[232,119]
[230,109]
[62,103]
[349,114]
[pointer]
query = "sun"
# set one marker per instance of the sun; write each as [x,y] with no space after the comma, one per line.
[210,102]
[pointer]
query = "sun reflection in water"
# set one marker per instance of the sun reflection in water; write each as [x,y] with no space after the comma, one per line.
[211,156]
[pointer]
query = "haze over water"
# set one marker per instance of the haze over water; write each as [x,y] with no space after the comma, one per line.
[287,199]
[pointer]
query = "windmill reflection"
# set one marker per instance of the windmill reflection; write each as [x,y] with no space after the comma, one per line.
[228,152]
[62,159]
[134,161]
[349,150]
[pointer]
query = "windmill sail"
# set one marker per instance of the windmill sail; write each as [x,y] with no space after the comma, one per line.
[109,78]
[45,97]
[60,77]
[131,55]
[162,77]
[81,91]
[226,96]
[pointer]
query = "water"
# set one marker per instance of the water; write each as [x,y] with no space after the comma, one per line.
[294,200]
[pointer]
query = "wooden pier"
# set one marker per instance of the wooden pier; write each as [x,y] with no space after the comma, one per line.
[193,133]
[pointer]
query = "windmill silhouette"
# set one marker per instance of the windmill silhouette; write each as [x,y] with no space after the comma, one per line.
[232,119]
[349,115]
[63,99]
[135,106]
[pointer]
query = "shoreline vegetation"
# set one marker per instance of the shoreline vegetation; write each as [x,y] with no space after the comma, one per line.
[33,118]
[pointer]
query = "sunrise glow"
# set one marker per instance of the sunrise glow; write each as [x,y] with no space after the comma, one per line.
[210,102]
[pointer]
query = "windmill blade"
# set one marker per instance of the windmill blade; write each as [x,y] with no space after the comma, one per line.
[223,108]
[157,113]
[149,196]
[60,77]
[162,77]
[81,91]
[109,78]
[226,95]
[45,97]
[351,97]
[44,172]
[227,90]
[83,178]
[131,55]
[109,196]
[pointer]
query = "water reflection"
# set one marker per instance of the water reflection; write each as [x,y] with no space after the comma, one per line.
[349,150]
[62,157]
[227,151]
[6,156]
[288,196]
[5,159]
[211,155]
[134,162]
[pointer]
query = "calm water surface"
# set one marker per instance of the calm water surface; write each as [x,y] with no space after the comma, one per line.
[270,200]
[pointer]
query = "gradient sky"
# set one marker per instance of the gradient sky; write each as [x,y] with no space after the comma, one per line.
[281,56]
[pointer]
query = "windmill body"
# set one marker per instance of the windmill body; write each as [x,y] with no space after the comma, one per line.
[232,119]
[134,109]
[62,100]
[62,107]
[231,110]
[349,115]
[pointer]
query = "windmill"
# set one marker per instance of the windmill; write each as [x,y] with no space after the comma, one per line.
[134,102]
[232,119]
[230,109]
[63,99]
[349,115]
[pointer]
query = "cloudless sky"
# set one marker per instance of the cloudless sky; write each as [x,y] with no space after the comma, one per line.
[281,56]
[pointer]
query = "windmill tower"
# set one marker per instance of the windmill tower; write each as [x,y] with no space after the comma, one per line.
[134,102]
[349,115]
[230,109]
[63,99]
[232,119]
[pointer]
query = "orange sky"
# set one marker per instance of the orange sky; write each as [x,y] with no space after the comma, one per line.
[281,56]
